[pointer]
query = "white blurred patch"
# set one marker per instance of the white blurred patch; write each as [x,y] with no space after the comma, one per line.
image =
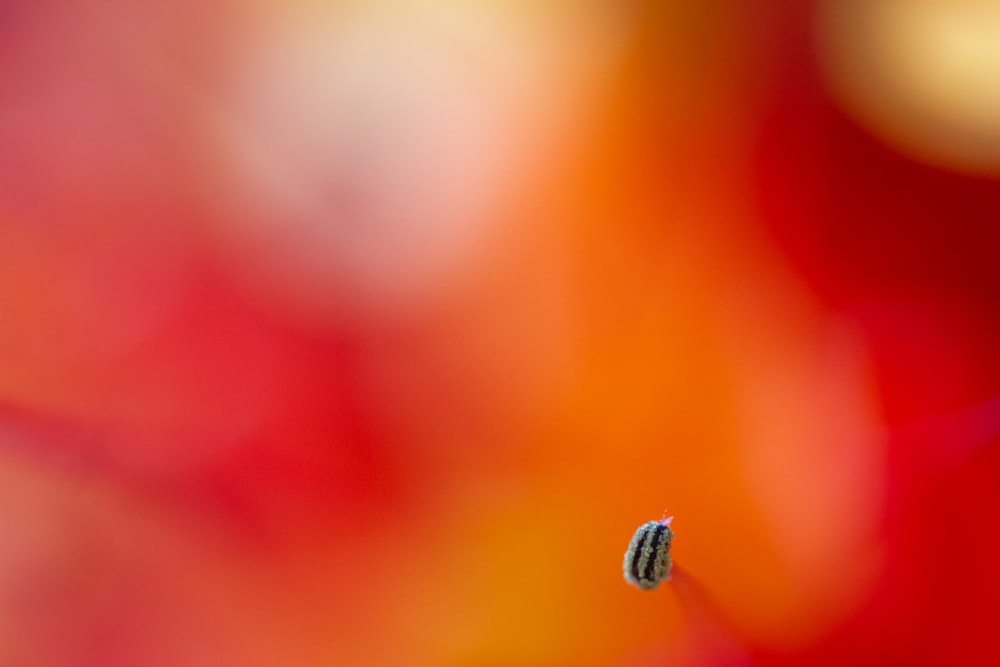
[375,152]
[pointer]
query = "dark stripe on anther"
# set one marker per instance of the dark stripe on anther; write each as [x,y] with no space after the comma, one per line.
[658,532]
[637,554]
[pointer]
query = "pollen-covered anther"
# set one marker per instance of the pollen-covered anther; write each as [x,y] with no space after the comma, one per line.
[647,561]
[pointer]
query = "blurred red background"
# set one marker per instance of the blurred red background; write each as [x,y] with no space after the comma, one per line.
[367,333]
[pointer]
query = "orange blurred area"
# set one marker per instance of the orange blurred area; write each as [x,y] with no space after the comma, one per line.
[342,333]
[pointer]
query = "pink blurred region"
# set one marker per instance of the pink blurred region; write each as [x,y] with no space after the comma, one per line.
[365,334]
